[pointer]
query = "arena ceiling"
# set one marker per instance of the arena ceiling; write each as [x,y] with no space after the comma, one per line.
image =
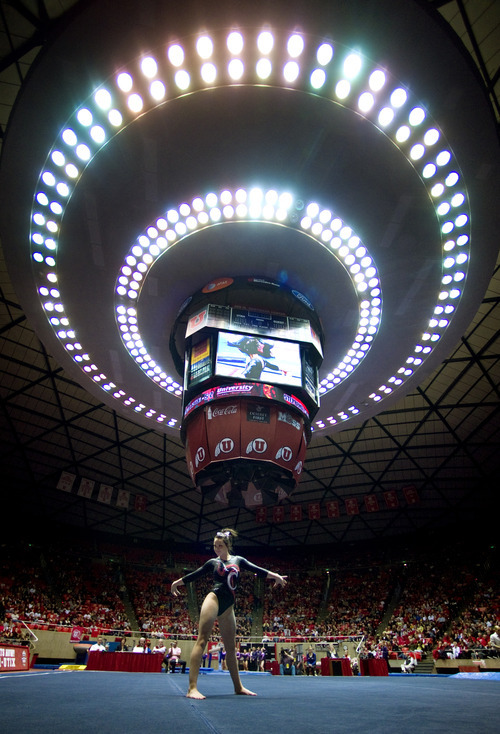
[422,460]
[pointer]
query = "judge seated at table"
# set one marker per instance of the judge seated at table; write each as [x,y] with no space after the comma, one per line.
[142,646]
[100,646]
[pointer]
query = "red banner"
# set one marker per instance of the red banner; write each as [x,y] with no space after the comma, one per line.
[140,503]
[314,511]
[391,499]
[351,506]
[261,514]
[76,634]
[411,495]
[14,657]
[371,503]
[295,512]
[278,513]
[332,508]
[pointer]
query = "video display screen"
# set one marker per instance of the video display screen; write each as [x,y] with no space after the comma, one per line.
[200,362]
[251,357]
[310,378]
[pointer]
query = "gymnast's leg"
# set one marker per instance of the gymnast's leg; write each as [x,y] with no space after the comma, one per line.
[208,614]
[227,626]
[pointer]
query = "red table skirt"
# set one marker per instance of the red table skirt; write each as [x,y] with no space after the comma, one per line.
[131,662]
[373,666]
[335,666]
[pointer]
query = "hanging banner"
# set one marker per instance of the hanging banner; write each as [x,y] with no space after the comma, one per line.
[314,511]
[332,509]
[66,481]
[105,494]
[351,506]
[140,503]
[391,499]
[261,514]
[371,503]
[278,513]
[411,495]
[86,488]
[76,634]
[295,512]
[123,499]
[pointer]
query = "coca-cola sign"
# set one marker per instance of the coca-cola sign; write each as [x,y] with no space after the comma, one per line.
[221,410]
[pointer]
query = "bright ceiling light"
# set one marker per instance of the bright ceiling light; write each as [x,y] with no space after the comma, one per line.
[265,42]
[89,124]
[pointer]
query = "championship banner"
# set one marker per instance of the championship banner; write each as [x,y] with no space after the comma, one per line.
[295,512]
[278,513]
[123,499]
[105,494]
[66,481]
[140,503]
[261,514]
[411,495]
[391,499]
[371,503]
[351,506]
[86,488]
[314,511]
[332,509]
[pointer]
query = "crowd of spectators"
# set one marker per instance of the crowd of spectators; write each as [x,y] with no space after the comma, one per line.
[446,604]
[59,589]
[292,611]
[157,612]
[357,602]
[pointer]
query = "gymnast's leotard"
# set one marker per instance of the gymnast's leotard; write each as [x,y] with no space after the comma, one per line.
[226,575]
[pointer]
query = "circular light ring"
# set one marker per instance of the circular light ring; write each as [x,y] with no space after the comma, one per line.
[177,69]
[245,205]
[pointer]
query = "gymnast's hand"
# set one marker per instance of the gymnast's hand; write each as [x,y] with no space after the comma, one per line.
[278,580]
[174,589]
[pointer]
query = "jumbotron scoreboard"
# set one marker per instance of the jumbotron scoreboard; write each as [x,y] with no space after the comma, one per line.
[249,350]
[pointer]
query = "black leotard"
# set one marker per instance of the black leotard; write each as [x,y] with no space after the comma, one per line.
[225,575]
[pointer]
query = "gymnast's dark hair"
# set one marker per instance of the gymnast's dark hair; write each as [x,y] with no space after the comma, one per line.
[227,535]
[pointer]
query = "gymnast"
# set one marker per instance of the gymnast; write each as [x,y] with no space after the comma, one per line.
[219,604]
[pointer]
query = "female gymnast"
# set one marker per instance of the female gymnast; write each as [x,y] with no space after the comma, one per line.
[219,604]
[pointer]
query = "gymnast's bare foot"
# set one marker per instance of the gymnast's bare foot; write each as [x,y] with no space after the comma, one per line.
[245,692]
[195,694]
